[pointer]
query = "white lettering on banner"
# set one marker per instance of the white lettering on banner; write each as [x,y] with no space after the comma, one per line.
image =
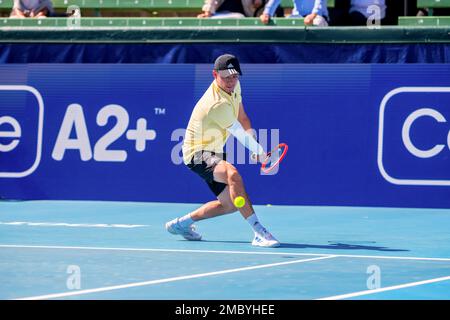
[176,154]
[141,134]
[101,152]
[439,95]
[16,133]
[74,120]
[407,138]
[12,134]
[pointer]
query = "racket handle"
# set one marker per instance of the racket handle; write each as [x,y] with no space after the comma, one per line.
[259,158]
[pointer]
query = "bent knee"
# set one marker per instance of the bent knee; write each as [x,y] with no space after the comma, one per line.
[233,175]
[229,208]
[232,209]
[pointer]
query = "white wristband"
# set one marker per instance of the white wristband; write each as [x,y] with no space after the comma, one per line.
[245,138]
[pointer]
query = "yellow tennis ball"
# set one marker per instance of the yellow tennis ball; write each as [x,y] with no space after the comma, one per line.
[239,202]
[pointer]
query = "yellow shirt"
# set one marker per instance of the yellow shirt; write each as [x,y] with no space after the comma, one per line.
[212,115]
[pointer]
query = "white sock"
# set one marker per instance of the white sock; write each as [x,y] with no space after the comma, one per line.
[255,224]
[185,221]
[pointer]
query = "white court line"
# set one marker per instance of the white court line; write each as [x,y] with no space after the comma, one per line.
[401,286]
[72,225]
[151,282]
[222,251]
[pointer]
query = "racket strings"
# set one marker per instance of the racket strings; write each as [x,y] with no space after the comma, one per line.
[274,157]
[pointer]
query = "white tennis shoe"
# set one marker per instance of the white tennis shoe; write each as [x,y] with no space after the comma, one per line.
[188,233]
[265,239]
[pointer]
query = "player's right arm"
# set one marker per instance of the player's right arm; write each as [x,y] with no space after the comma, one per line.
[248,140]
[224,117]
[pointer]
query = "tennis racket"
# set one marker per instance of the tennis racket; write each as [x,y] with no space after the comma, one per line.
[274,158]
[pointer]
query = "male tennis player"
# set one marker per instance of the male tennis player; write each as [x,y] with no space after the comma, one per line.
[217,114]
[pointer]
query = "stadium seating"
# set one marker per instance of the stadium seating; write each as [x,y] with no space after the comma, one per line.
[123,11]
[424,21]
[136,4]
[433,4]
[145,22]
[133,8]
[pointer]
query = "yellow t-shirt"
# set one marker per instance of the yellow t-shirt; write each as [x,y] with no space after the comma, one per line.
[212,115]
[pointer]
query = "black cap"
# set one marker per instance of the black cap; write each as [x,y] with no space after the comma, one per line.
[227,64]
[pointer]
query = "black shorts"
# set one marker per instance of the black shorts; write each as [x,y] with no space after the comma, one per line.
[203,164]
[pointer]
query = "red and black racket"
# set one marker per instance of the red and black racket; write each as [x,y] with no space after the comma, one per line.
[274,158]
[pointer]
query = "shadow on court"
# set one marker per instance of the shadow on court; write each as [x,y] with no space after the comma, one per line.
[335,246]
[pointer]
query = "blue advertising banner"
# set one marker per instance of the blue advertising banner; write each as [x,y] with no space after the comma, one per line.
[328,52]
[358,134]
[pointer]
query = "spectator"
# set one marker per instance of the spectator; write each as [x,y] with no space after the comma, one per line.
[433,12]
[31,9]
[363,10]
[314,12]
[234,8]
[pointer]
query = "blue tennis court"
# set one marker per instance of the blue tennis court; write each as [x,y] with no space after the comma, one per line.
[120,250]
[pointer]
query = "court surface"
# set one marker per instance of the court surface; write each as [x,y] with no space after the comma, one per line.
[121,250]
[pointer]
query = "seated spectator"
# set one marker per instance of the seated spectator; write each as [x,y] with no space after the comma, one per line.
[234,9]
[314,12]
[31,9]
[435,12]
[361,11]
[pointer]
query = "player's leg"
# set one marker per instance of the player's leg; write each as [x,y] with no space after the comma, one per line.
[225,172]
[214,208]
[226,183]
[183,225]
[203,164]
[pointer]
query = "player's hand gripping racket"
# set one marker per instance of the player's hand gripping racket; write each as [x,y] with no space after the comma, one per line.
[274,158]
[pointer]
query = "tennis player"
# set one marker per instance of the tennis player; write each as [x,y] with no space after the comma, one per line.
[217,114]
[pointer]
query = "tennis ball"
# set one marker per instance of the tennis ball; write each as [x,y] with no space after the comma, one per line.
[239,202]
